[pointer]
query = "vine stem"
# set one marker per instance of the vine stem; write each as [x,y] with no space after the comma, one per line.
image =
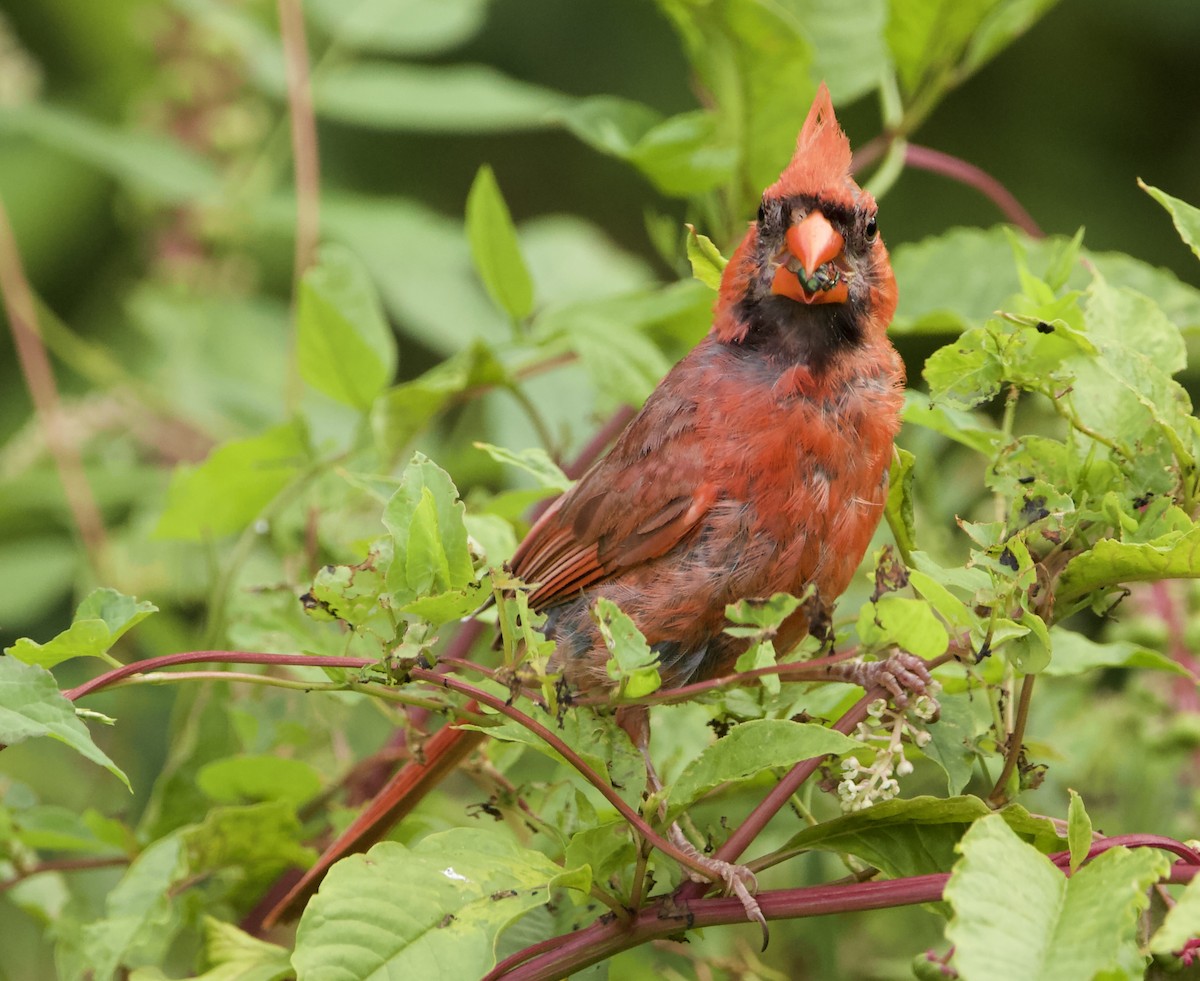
[111,678]
[43,391]
[955,168]
[575,951]
[731,850]
[559,746]
[559,957]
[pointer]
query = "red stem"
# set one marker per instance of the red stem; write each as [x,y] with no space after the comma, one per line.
[925,158]
[566,752]
[957,169]
[603,939]
[100,682]
[770,805]
[562,956]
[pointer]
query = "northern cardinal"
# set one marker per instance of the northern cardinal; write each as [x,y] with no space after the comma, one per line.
[759,465]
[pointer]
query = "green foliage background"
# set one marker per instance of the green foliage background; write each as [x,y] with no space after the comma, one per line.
[145,164]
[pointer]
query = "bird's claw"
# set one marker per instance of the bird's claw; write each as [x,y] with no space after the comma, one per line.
[738,880]
[902,675]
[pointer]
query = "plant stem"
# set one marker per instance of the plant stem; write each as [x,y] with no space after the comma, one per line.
[306,165]
[1012,750]
[782,792]
[43,391]
[567,753]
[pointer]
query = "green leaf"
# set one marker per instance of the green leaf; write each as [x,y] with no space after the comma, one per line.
[761,615]
[600,742]
[256,778]
[237,956]
[495,249]
[952,741]
[100,621]
[705,258]
[250,844]
[351,593]
[745,53]
[1185,216]
[750,748]
[927,37]
[450,605]
[959,279]
[915,836]
[425,518]
[1050,926]
[909,623]
[971,429]
[610,124]
[605,849]
[535,461]
[435,910]
[1076,654]
[898,509]
[966,373]
[402,412]
[1109,562]
[682,156]
[632,665]
[848,49]
[149,163]
[1181,923]
[138,925]
[31,706]
[1079,831]
[229,490]
[344,346]
[49,827]
[432,98]
[401,27]
[936,43]
[610,336]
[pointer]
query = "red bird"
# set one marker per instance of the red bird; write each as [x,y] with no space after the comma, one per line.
[759,465]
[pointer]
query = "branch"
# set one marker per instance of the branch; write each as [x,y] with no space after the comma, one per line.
[925,158]
[770,805]
[551,960]
[567,753]
[65,865]
[305,156]
[957,169]
[39,379]
[562,956]
[110,678]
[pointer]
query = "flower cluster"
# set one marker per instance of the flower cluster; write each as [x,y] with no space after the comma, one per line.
[884,730]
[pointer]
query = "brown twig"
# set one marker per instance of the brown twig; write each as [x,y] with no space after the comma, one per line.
[39,379]
[305,155]
[65,865]
[1012,749]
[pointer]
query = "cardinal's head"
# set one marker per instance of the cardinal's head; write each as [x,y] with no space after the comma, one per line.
[811,278]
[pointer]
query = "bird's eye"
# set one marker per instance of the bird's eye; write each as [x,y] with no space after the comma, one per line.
[872,228]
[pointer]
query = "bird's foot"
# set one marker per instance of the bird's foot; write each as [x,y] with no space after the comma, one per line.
[902,676]
[738,880]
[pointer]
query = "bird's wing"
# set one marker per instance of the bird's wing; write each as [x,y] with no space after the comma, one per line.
[631,507]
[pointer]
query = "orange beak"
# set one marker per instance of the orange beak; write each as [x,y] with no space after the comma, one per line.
[812,242]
